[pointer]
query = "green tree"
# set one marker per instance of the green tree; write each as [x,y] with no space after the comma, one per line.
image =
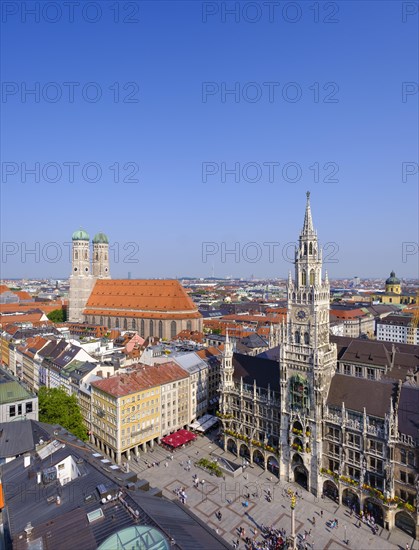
[57,407]
[57,316]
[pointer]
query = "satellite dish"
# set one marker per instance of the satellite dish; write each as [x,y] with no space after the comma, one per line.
[103,500]
[109,497]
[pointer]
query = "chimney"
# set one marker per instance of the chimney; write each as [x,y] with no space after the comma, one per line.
[26,461]
[38,478]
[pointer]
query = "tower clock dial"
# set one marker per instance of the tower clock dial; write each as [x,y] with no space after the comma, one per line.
[301,315]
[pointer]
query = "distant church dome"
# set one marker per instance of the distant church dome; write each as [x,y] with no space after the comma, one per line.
[392,280]
[100,238]
[80,235]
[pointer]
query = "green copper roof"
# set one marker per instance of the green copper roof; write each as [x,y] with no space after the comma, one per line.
[13,391]
[392,280]
[80,235]
[100,238]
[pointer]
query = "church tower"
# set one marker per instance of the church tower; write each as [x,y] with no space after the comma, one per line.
[81,280]
[307,362]
[101,257]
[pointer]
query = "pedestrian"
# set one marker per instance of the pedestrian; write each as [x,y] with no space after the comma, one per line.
[166,464]
[314,521]
[321,513]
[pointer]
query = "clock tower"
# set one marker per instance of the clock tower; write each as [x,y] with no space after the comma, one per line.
[307,362]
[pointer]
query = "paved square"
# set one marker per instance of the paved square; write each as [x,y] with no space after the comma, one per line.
[228,496]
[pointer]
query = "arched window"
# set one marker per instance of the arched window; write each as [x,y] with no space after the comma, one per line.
[306,338]
[109,322]
[403,456]
[312,277]
[151,328]
[297,337]
[303,277]
[411,458]
[173,330]
[311,248]
[160,329]
[126,323]
[117,322]
[293,295]
[97,256]
[133,324]
[101,321]
[189,325]
[305,249]
[142,328]
[93,320]
[76,255]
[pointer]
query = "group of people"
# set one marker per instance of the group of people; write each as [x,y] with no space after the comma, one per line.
[369,519]
[272,539]
[181,494]
[186,465]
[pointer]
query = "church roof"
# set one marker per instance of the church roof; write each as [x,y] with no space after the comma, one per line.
[392,280]
[100,238]
[80,235]
[148,298]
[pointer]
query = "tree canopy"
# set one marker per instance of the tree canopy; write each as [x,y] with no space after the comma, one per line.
[57,316]
[57,407]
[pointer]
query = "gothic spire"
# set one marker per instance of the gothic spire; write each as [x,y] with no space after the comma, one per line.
[308,222]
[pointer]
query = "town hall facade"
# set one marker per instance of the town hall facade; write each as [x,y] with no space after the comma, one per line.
[327,412]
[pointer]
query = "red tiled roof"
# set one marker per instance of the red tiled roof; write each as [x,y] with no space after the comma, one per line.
[348,314]
[23,295]
[210,351]
[141,298]
[194,335]
[46,307]
[142,378]
[23,318]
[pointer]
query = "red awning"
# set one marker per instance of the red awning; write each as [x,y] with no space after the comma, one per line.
[178,438]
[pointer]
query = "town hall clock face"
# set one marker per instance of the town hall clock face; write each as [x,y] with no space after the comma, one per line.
[300,315]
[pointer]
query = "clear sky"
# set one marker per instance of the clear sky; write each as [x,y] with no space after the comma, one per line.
[318,105]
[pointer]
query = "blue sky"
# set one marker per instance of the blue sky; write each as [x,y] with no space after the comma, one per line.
[172,51]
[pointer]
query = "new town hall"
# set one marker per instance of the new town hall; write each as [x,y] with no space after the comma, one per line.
[339,416]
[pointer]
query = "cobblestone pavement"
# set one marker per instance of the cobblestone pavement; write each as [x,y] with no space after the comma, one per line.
[228,496]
